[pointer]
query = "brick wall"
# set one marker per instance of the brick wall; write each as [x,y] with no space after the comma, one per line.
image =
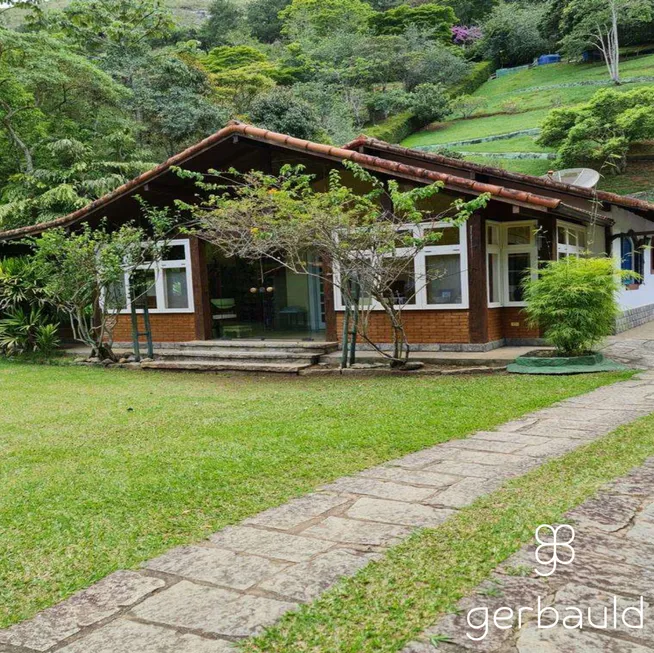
[166,327]
[514,323]
[495,326]
[422,326]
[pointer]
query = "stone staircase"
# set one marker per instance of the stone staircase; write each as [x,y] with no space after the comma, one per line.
[286,357]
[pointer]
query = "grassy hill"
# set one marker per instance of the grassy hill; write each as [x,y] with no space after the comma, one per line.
[520,102]
[186,12]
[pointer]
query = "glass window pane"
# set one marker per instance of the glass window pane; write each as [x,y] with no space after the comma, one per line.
[493,278]
[519,235]
[116,298]
[449,236]
[572,237]
[582,238]
[561,238]
[401,279]
[143,288]
[444,279]
[174,253]
[518,268]
[176,288]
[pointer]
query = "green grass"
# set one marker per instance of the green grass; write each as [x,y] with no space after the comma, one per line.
[462,130]
[392,601]
[535,167]
[103,469]
[516,144]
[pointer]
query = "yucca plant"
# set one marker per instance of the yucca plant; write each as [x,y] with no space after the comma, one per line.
[47,339]
[26,331]
[574,302]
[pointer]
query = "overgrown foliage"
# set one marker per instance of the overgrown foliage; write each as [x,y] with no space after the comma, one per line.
[598,134]
[574,302]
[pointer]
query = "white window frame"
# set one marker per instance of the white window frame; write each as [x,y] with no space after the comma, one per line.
[159,281]
[497,250]
[566,248]
[530,248]
[420,268]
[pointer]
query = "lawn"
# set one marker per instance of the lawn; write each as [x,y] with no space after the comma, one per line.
[103,469]
[391,601]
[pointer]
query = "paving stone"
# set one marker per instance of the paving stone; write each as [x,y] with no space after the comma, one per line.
[124,636]
[465,492]
[352,531]
[510,436]
[88,607]
[282,546]
[479,444]
[469,469]
[519,424]
[485,457]
[297,511]
[600,602]
[632,551]
[594,416]
[420,458]
[217,566]
[606,511]
[212,610]
[642,531]
[381,489]
[565,428]
[414,476]
[305,581]
[555,447]
[393,512]
[533,640]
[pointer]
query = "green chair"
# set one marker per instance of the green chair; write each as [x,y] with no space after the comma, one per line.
[225,309]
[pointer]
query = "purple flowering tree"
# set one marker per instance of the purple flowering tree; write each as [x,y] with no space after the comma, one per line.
[465,35]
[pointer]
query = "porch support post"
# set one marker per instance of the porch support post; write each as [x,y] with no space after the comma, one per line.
[201,298]
[547,238]
[330,311]
[608,240]
[477,282]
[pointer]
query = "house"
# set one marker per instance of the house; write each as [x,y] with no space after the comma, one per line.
[197,294]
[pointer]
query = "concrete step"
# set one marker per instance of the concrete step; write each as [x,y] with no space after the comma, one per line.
[293,346]
[310,357]
[203,366]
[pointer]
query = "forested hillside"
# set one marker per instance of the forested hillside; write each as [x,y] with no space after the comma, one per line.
[94,91]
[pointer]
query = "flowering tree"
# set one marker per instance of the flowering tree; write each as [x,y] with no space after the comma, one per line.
[465,35]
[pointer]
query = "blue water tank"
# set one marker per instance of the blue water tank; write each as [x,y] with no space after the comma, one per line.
[544,59]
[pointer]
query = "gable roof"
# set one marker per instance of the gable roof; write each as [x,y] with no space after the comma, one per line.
[363,142]
[233,129]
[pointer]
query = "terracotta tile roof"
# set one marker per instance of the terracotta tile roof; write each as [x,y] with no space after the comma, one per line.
[597,195]
[379,164]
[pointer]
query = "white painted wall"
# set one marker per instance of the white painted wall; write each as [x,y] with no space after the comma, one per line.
[624,221]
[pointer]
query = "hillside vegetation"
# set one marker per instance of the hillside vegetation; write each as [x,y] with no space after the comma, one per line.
[521,101]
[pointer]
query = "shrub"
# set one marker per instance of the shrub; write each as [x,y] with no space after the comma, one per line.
[27,331]
[430,102]
[478,75]
[574,302]
[396,128]
[435,20]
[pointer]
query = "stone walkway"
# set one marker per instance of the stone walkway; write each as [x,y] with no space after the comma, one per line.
[202,598]
[614,557]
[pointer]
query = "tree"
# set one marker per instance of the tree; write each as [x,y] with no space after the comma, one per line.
[224,16]
[263,19]
[282,217]
[281,111]
[432,19]
[466,105]
[430,102]
[598,134]
[511,35]
[471,11]
[82,274]
[597,23]
[317,19]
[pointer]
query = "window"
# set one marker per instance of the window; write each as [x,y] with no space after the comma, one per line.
[631,260]
[444,279]
[519,234]
[571,240]
[517,269]
[437,277]
[165,285]
[493,249]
